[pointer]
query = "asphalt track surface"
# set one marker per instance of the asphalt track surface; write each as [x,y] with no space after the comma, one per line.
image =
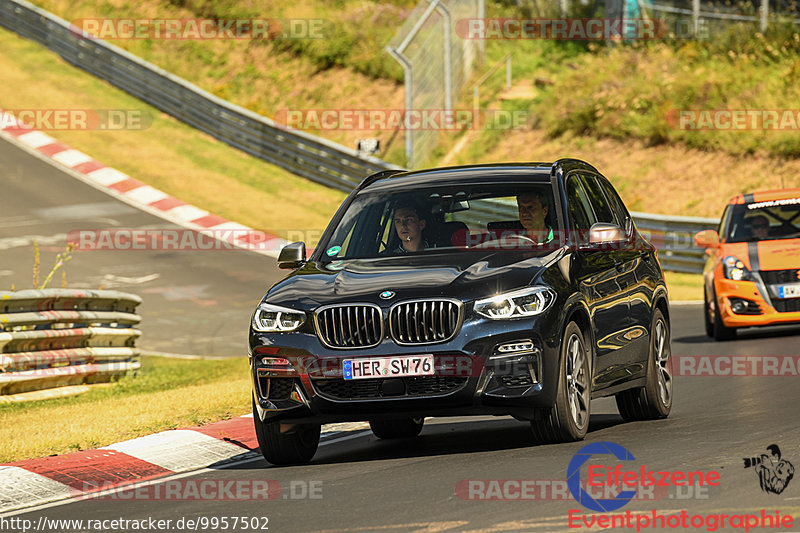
[364,484]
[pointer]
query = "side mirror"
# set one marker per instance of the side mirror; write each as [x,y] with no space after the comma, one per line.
[292,255]
[603,232]
[707,239]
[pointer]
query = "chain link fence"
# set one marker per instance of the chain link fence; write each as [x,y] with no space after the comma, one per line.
[704,18]
[437,65]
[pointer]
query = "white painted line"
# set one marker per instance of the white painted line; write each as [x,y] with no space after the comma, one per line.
[107,176]
[179,450]
[146,194]
[346,437]
[230,226]
[20,488]
[187,212]
[345,426]
[71,157]
[36,139]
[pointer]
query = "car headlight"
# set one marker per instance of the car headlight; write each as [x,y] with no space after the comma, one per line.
[273,318]
[516,304]
[733,268]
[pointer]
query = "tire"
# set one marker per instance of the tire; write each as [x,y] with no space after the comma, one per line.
[405,428]
[721,331]
[295,447]
[654,400]
[707,316]
[568,419]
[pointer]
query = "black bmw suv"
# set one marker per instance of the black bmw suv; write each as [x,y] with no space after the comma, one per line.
[519,289]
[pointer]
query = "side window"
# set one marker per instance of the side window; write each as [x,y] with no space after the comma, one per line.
[723,223]
[580,208]
[616,203]
[600,203]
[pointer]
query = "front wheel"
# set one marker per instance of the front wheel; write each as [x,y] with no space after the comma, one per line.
[654,400]
[296,445]
[721,331]
[568,419]
[404,428]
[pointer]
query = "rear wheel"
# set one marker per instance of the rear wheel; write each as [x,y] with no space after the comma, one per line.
[404,428]
[296,445]
[654,400]
[568,419]
[721,331]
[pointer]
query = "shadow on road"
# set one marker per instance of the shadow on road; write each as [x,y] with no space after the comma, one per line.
[444,439]
[772,332]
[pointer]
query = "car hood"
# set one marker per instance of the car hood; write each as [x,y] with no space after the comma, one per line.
[462,275]
[779,254]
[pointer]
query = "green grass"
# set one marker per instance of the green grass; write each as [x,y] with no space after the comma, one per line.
[616,91]
[163,394]
[683,287]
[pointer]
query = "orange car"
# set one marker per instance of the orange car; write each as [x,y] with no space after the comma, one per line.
[752,273]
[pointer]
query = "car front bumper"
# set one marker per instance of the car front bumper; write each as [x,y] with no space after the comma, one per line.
[728,291]
[470,376]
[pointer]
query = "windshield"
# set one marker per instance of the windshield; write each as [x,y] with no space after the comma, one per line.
[437,219]
[763,221]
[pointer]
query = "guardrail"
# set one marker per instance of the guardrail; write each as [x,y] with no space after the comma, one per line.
[317,159]
[674,238]
[311,157]
[55,337]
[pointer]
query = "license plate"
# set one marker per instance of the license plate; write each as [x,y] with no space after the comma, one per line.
[789,291]
[388,367]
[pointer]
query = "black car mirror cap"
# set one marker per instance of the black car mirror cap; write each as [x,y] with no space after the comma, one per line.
[292,255]
[602,232]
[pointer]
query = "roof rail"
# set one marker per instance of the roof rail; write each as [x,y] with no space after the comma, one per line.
[379,176]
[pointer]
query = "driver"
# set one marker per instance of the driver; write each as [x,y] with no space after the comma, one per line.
[409,226]
[533,208]
[759,227]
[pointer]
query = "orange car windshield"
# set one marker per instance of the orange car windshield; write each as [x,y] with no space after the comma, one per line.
[764,221]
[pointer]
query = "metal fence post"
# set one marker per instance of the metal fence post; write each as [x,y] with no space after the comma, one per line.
[696,17]
[448,54]
[408,75]
[763,13]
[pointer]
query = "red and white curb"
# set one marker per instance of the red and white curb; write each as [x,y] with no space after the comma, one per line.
[134,192]
[78,475]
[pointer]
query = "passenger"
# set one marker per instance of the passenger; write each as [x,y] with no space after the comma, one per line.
[533,208]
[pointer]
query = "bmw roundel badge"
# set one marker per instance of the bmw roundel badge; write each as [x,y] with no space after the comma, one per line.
[387,295]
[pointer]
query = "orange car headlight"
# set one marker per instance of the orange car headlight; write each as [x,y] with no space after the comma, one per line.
[733,268]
